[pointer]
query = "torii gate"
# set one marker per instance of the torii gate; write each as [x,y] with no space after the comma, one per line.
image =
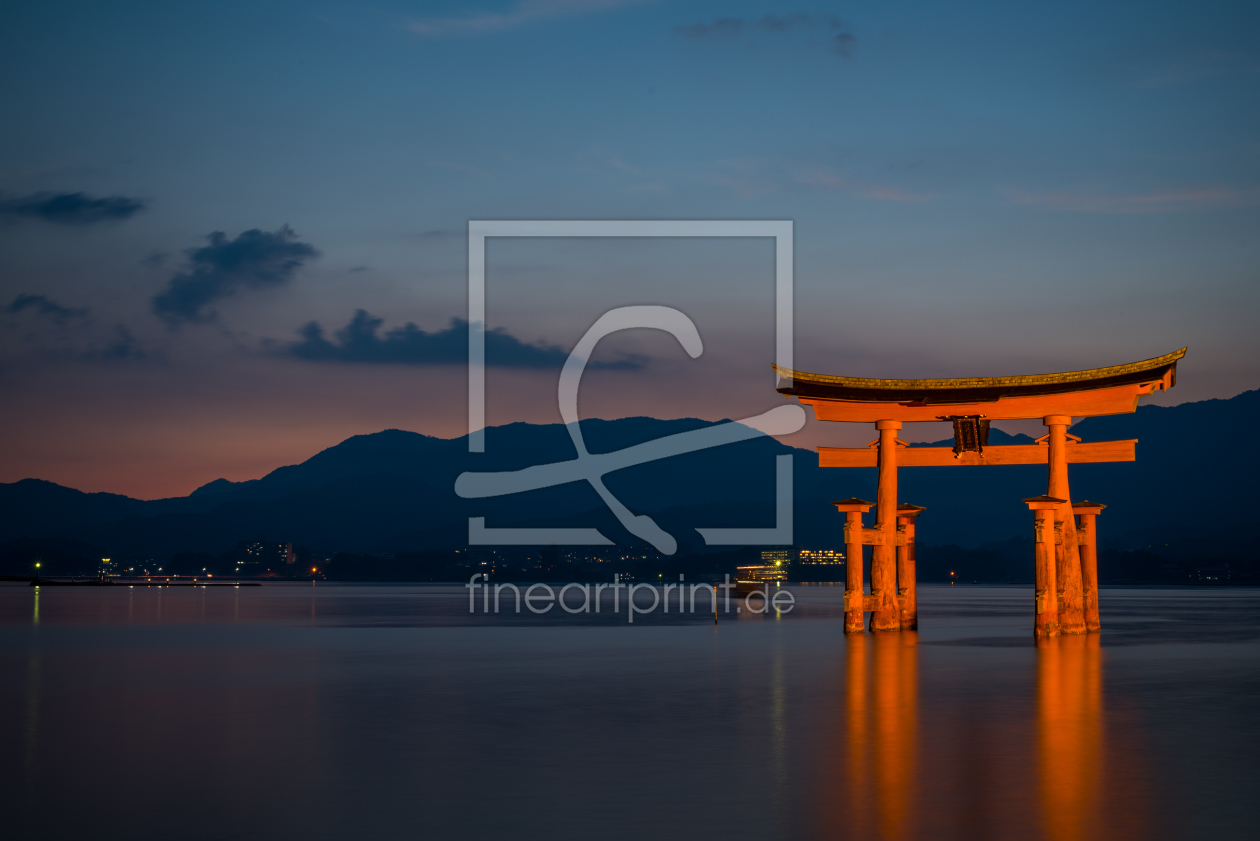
[1067,571]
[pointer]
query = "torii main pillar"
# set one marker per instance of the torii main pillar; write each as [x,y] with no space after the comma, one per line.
[1067,555]
[886,615]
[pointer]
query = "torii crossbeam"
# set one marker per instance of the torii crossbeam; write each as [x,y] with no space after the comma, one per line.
[1067,598]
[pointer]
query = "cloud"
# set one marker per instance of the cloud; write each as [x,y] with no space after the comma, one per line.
[361,342]
[1181,200]
[45,306]
[122,346]
[84,343]
[842,44]
[720,28]
[70,208]
[254,260]
[523,13]
[837,38]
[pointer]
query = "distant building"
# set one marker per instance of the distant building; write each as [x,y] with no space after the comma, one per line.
[256,557]
[1218,574]
[777,557]
[815,557]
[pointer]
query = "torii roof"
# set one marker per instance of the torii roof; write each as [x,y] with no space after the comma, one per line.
[974,389]
[1115,390]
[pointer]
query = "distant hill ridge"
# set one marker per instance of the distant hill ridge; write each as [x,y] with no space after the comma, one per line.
[393,490]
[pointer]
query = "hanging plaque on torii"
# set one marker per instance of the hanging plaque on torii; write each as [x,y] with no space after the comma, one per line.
[1066,571]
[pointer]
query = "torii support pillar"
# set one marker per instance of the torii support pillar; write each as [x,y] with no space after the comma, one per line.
[1067,554]
[1046,622]
[854,598]
[1087,536]
[907,576]
[885,615]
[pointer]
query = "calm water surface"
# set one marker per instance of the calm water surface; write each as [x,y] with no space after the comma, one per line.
[363,712]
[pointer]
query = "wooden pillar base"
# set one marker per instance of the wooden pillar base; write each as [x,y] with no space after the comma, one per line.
[1071,610]
[1071,624]
[854,620]
[1092,625]
[909,613]
[1046,626]
[886,618]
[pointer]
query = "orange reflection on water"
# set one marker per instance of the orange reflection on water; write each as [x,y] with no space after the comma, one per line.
[882,718]
[1024,751]
[1091,777]
[1069,735]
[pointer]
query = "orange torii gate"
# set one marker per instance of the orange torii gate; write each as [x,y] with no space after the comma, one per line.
[1066,571]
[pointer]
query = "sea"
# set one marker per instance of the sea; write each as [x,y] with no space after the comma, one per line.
[374,711]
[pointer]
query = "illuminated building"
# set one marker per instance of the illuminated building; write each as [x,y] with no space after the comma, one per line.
[828,557]
[255,557]
[779,557]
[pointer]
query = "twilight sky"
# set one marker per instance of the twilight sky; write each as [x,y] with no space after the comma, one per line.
[232,234]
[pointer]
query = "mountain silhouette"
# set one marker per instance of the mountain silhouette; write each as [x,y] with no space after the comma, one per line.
[393,491]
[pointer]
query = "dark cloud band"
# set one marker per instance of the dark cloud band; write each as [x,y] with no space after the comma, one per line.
[44,305]
[70,208]
[360,341]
